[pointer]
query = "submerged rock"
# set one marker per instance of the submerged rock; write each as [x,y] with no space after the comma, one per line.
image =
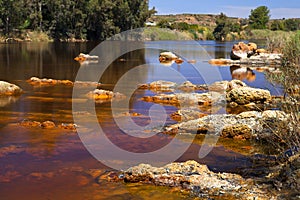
[34,81]
[48,82]
[47,125]
[8,89]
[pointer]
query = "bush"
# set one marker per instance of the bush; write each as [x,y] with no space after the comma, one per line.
[290,80]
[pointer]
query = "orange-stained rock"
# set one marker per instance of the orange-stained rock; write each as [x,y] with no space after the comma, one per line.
[48,125]
[28,123]
[8,89]
[99,94]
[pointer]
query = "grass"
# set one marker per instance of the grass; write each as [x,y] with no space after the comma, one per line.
[155,33]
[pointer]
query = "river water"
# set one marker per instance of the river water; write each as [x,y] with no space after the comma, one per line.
[38,163]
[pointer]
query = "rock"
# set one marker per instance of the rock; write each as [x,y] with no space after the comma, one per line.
[99,94]
[28,123]
[239,51]
[187,87]
[182,99]
[167,56]
[179,61]
[8,89]
[259,51]
[85,57]
[238,131]
[226,86]
[186,115]
[196,178]
[242,50]
[48,125]
[252,46]
[48,82]
[162,85]
[246,95]
[246,125]
[71,127]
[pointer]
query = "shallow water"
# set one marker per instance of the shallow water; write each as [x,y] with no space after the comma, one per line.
[38,163]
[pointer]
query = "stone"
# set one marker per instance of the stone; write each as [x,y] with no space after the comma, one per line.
[239,51]
[99,94]
[246,125]
[186,115]
[194,177]
[187,86]
[182,99]
[238,131]
[34,81]
[8,89]
[167,56]
[226,86]
[85,57]
[48,125]
[162,85]
[246,95]
[28,123]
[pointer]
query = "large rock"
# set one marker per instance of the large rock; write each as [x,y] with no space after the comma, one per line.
[242,50]
[197,178]
[246,125]
[246,95]
[8,89]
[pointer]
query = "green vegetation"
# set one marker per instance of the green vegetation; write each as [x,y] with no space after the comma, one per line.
[80,19]
[259,17]
[165,34]
[225,27]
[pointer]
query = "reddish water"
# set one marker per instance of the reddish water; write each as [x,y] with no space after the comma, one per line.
[38,163]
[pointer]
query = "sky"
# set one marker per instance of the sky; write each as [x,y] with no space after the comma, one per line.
[232,8]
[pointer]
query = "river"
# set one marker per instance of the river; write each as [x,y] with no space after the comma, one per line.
[38,163]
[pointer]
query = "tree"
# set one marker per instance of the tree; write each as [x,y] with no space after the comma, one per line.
[223,27]
[259,17]
[277,25]
[291,24]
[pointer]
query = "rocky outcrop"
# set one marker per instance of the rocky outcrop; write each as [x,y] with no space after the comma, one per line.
[197,178]
[8,89]
[100,95]
[246,125]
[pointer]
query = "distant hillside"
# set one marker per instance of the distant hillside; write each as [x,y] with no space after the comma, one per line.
[207,20]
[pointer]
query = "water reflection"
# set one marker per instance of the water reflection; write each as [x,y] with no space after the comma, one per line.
[242,73]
